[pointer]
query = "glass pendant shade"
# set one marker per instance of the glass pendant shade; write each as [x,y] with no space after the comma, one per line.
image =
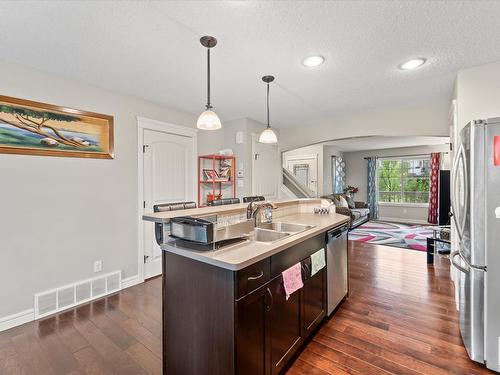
[208,120]
[268,136]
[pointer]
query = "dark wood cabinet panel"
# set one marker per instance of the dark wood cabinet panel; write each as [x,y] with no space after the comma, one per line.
[238,322]
[250,278]
[285,325]
[313,301]
[198,317]
[253,333]
[296,253]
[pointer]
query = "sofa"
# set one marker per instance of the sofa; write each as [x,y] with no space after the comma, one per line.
[359,214]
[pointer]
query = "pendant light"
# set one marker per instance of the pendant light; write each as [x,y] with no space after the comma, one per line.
[208,120]
[268,135]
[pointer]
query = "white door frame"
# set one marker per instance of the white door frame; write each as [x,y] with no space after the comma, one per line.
[314,157]
[160,126]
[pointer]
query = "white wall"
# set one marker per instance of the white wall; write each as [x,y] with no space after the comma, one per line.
[357,175]
[323,154]
[59,215]
[478,93]
[243,151]
[308,151]
[431,120]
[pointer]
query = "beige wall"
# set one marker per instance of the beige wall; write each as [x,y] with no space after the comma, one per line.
[59,215]
[431,120]
[356,175]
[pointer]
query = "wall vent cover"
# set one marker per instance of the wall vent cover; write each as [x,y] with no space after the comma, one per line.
[67,296]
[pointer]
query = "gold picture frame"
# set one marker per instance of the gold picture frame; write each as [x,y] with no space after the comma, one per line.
[34,128]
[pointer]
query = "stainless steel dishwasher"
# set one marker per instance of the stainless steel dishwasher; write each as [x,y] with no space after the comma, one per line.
[336,263]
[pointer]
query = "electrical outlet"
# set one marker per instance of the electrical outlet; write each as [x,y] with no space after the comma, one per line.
[98,266]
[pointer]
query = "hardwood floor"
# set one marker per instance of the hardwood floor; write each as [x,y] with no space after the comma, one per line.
[400,319]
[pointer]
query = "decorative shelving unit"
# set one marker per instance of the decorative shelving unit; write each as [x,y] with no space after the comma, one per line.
[216,178]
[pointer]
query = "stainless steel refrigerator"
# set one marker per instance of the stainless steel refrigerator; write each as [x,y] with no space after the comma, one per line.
[476,212]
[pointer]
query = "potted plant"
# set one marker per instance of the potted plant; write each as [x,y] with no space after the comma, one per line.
[350,190]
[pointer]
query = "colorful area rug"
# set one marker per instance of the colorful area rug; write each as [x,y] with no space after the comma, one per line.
[393,234]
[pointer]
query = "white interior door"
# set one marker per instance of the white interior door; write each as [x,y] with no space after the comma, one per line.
[305,169]
[168,178]
[266,169]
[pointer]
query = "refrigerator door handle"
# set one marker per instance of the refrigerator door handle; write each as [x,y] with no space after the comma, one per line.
[469,264]
[453,255]
[459,217]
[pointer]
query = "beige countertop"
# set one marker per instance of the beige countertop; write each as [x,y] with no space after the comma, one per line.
[241,255]
[162,217]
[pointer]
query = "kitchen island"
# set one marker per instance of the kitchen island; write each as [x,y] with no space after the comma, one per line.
[225,311]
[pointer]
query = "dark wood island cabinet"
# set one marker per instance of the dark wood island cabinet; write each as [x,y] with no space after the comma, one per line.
[217,321]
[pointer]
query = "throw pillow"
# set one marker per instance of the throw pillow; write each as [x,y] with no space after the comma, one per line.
[340,201]
[350,202]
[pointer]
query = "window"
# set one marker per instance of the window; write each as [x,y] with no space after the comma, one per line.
[404,180]
[301,172]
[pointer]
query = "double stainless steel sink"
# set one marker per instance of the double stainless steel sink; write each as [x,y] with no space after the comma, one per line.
[263,232]
[272,232]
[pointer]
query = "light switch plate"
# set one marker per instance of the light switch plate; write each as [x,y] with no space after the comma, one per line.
[98,266]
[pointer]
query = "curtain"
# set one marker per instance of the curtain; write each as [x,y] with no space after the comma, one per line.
[434,188]
[339,175]
[372,187]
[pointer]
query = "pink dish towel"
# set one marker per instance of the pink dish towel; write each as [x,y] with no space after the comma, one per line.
[292,280]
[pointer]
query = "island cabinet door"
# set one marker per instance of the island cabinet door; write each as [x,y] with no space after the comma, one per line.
[285,325]
[313,299]
[252,333]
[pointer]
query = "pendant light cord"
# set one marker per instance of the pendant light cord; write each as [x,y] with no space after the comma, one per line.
[209,106]
[268,106]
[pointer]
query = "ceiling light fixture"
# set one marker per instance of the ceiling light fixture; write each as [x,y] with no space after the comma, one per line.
[208,120]
[313,61]
[413,64]
[268,135]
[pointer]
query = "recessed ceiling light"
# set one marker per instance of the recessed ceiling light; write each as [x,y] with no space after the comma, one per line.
[412,64]
[313,61]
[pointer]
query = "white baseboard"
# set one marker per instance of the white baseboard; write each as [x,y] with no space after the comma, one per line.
[403,220]
[26,316]
[14,320]
[131,281]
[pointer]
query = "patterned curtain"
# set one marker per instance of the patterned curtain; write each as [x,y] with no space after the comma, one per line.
[339,175]
[372,187]
[434,188]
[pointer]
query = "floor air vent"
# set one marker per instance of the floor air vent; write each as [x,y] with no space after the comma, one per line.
[55,300]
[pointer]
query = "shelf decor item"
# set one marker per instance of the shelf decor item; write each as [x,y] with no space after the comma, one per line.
[33,128]
[215,178]
[210,175]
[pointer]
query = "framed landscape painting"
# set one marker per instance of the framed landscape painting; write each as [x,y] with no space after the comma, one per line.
[33,128]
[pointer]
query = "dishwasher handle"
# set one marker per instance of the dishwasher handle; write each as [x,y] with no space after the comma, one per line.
[337,233]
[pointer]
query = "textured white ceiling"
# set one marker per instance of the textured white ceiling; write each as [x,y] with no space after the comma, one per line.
[151,50]
[383,142]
